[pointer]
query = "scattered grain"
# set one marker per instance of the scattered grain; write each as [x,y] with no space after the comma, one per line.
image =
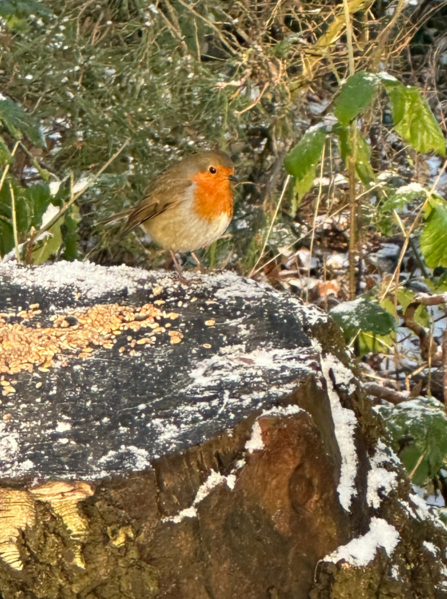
[24,347]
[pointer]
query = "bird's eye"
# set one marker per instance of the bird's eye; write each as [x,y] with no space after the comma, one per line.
[212,170]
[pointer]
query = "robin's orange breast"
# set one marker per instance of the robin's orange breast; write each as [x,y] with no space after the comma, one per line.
[213,196]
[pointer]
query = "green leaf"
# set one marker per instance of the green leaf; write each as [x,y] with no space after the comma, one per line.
[356,94]
[434,236]
[282,48]
[49,245]
[305,155]
[70,235]
[402,196]
[363,166]
[39,198]
[5,154]
[23,213]
[23,8]
[18,122]
[365,315]
[6,236]
[413,119]
[303,185]
[405,297]
[420,426]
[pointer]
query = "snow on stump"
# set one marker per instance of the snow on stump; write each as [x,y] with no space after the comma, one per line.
[168,441]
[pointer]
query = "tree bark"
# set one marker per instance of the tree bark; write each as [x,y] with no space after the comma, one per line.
[210,440]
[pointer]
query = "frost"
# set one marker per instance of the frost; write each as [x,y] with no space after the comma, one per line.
[10,454]
[130,458]
[362,550]
[87,278]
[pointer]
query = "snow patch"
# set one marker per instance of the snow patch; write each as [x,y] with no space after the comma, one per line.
[214,479]
[345,424]
[362,550]
[255,443]
[379,478]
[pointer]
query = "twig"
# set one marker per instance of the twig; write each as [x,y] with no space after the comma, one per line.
[444,368]
[253,104]
[418,463]
[317,206]
[385,393]
[300,238]
[410,231]
[349,37]
[352,163]
[75,196]
[14,222]
[286,182]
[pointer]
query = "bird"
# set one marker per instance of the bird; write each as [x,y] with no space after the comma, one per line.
[186,207]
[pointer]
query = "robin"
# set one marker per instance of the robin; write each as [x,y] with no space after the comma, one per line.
[188,206]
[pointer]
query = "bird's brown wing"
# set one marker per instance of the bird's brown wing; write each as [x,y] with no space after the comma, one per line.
[164,195]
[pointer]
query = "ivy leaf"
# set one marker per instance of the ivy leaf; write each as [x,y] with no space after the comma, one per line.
[18,122]
[434,236]
[413,119]
[356,94]
[365,315]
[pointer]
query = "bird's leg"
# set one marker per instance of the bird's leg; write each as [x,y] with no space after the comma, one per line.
[197,261]
[179,270]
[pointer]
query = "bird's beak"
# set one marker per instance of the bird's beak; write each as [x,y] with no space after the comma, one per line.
[233,178]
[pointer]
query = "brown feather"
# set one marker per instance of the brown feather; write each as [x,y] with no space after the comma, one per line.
[168,189]
[166,194]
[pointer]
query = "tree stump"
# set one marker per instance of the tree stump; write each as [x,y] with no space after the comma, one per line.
[186,442]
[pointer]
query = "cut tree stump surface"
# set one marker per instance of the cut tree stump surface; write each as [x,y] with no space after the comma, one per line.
[185,442]
[242,349]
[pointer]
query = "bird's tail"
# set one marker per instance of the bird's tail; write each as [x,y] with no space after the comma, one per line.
[115,217]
